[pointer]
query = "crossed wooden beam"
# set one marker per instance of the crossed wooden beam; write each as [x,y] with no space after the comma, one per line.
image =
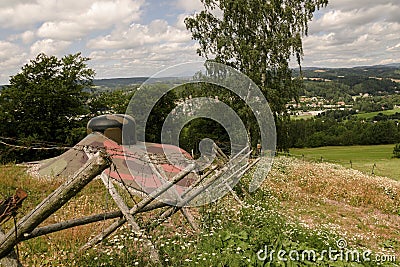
[27,227]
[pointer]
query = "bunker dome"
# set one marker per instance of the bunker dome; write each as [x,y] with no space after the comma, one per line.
[134,161]
[120,128]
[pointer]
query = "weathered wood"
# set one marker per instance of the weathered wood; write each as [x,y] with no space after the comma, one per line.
[11,259]
[53,202]
[194,191]
[104,234]
[251,165]
[48,229]
[120,203]
[221,153]
[145,201]
[185,212]
[225,160]
[125,211]
[235,196]
[243,189]
[189,217]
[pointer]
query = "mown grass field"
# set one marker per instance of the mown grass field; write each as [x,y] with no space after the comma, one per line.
[370,115]
[302,117]
[362,158]
[364,116]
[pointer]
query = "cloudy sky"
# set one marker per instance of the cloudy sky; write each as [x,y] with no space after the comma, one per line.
[128,38]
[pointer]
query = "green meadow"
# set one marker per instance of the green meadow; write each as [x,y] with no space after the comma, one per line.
[370,115]
[368,159]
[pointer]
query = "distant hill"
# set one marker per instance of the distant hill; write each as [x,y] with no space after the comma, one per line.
[392,65]
[116,82]
[390,71]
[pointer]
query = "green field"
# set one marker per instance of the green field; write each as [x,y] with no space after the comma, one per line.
[365,116]
[370,115]
[362,158]
[302,117]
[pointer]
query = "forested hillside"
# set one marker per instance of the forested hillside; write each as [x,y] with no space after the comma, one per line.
[353,106]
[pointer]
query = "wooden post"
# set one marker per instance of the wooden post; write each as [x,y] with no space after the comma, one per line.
[185,211]
[194,191]
[10,260]
[156,193]
[48,229]
[53,202]
[125,211]
[221,153]
[225,159]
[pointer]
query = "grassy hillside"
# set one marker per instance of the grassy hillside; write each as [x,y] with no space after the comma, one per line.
[362,158]
[301,206]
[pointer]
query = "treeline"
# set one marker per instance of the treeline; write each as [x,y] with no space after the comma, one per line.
[328,131]
[334,91]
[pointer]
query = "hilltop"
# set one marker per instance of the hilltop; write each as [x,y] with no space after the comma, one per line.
[301,205]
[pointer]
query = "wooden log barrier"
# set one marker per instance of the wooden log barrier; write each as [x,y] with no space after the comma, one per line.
[95,166]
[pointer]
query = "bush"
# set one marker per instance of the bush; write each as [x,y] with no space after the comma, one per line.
[396,151]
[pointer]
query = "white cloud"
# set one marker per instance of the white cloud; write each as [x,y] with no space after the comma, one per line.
[11,59]
[346,5]
[7,48]
[80,16]
[394,48]
[137,35]
[27,13]
[49,47]
[141,61]
[97,16]
[180,22]
[355,32]
[189,5]
[27,37]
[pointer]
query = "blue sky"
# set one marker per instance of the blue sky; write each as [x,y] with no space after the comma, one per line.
[127,38]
